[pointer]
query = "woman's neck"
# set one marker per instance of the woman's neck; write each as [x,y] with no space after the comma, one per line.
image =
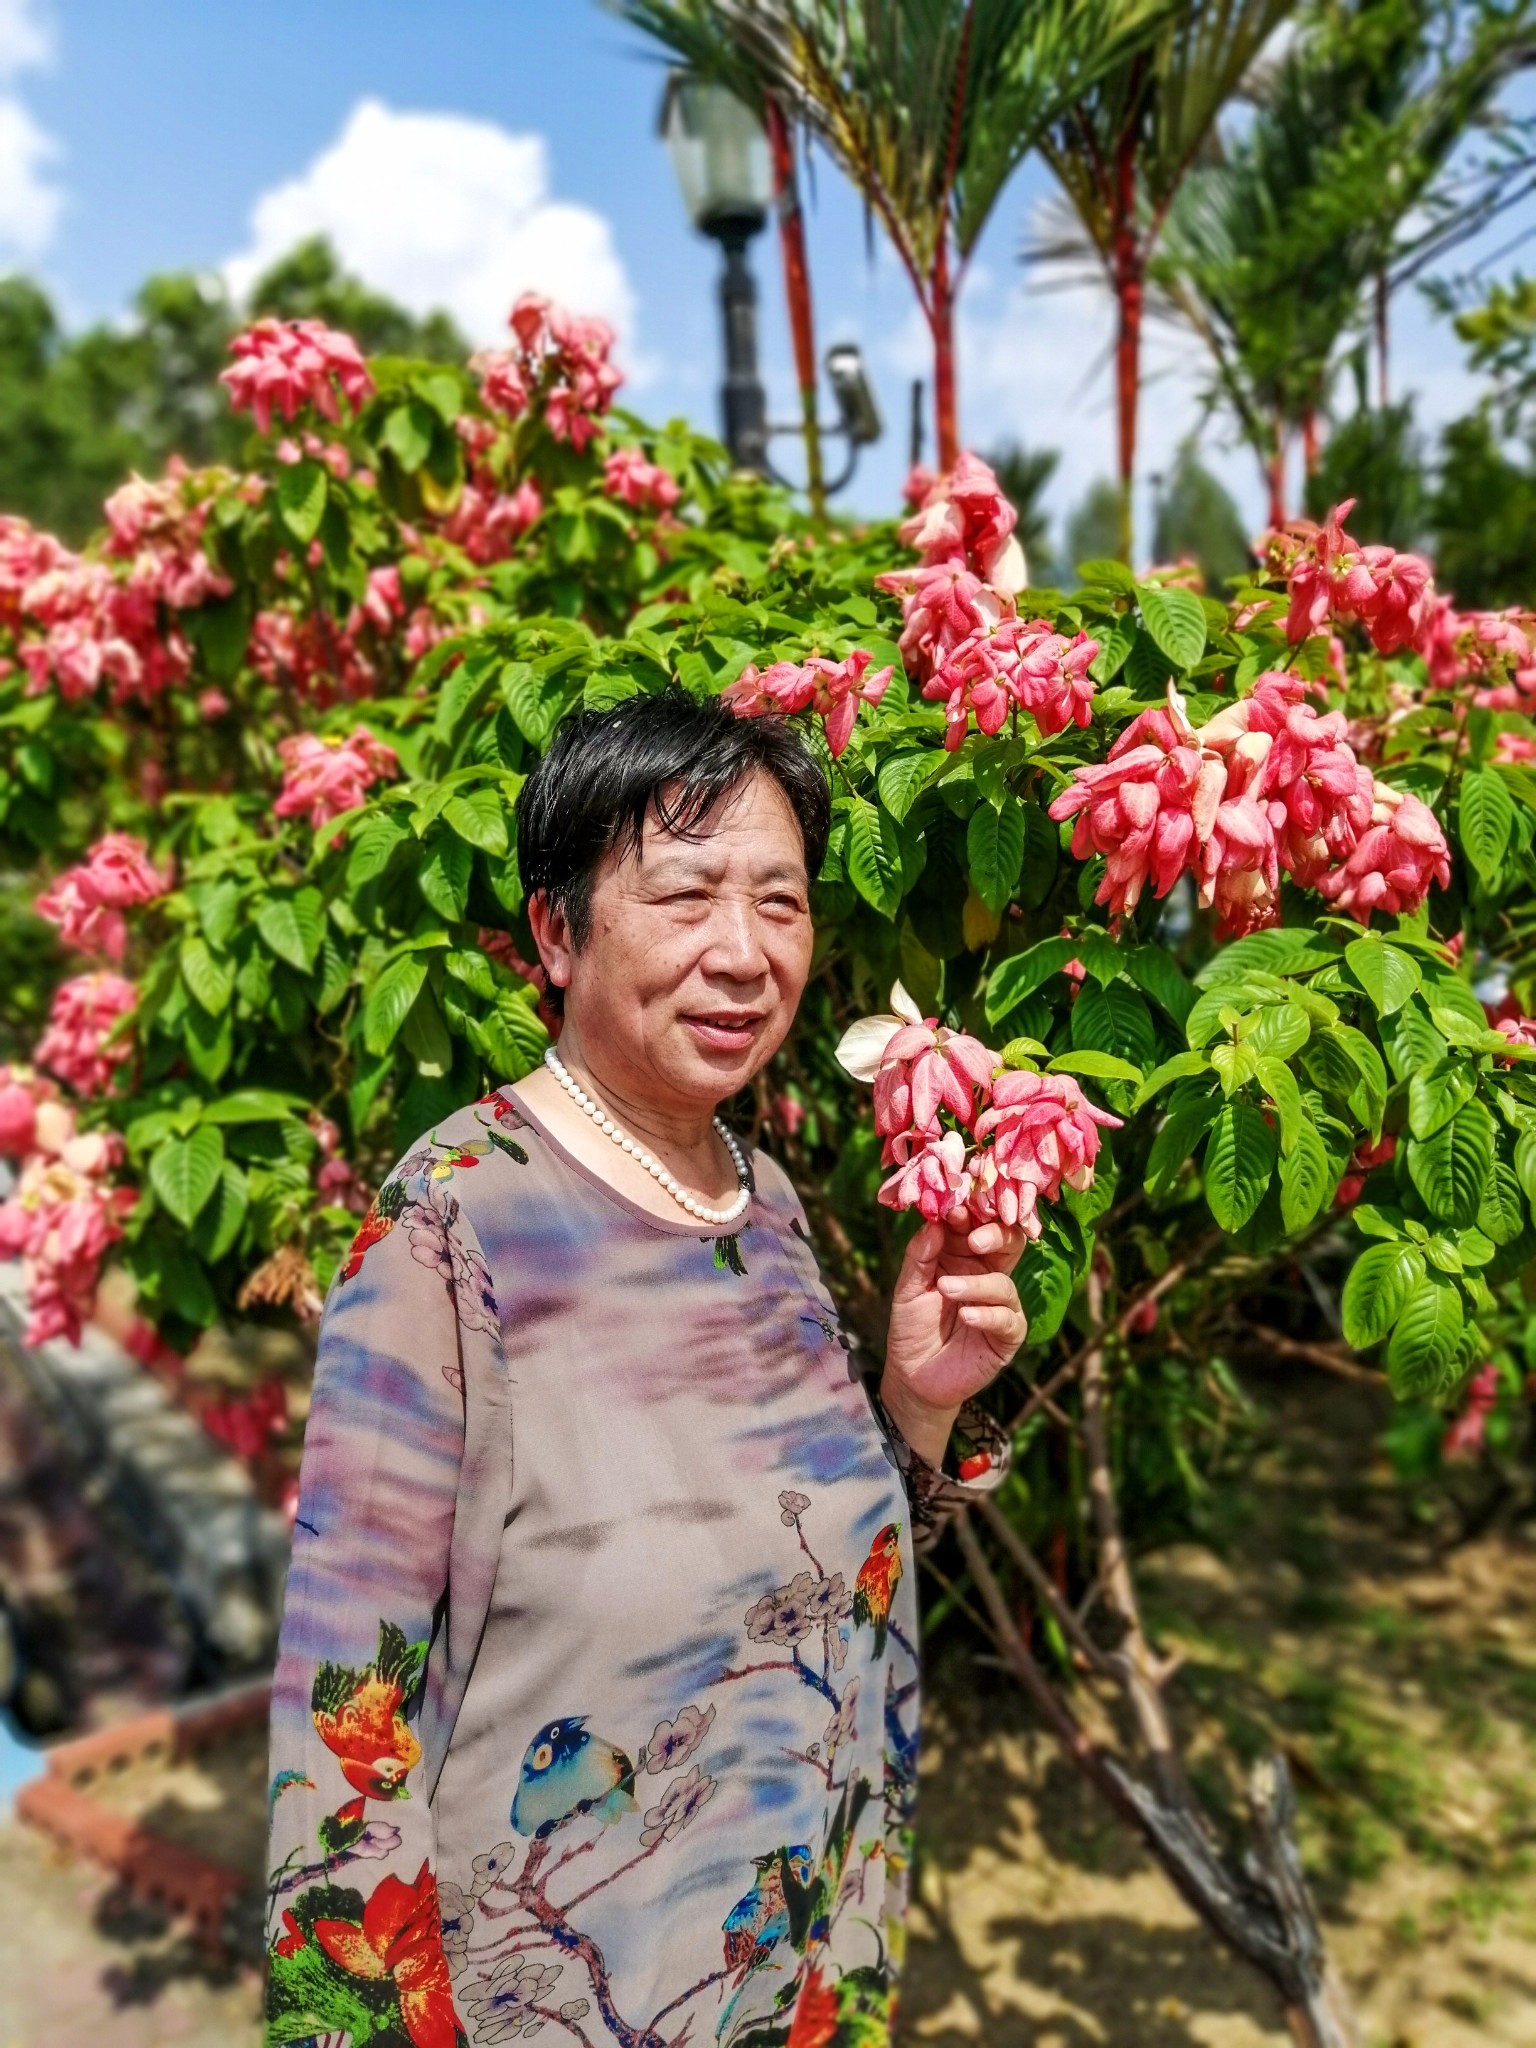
[682,1140]
[669,1127]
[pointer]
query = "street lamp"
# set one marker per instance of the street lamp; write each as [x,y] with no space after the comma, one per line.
[720,154]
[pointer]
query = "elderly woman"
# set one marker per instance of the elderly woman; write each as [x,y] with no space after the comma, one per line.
[597,1698]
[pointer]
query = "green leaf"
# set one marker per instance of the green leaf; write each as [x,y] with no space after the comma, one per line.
[1485,817]
[874,855]
[218,1226]
[1114,1019]
[443,876]
[1235,1065]
[209,1041]
[1501,1212]
[389,1001]
[480,816]
[372,846]
[1239,1163]
[1100,1066]
[1435,1097]
[211,981]
[1280,1085]
[252,1106]
[1306,1177]
[426,1037]
[1044,1280]
[1277,1031]
[1388,976]
[1187,1122]
[1042,856]
[1178,1068]
[1451,1168]
[1018,976]
[292,926]
[1176,621]
[1424,1343]
[1287,950]
[1157,974]
[408,435]
[301,489]
[901,779]
[185,1171]
[1413,1042]
[1380,1282]
[994,851]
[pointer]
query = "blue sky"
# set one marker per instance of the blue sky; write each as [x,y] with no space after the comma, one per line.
[138,135]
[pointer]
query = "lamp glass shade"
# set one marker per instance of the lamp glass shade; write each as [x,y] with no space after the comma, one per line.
[719,152]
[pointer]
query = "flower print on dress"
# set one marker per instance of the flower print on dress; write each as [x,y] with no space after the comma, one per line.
[783,1616]
[843,1727]
[492,1867]
[456,1911]
[429,1227]
[398,1939]
[673,1742]
[792,1506]
[505,2004]
[679,1803]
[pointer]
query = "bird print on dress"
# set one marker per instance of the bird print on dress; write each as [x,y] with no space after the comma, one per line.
[874,1588]
[566,1771]
[360,1716]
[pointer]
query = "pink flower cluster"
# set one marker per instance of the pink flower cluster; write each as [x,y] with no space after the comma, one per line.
[1332,580]
[284,365]
[158,528]
[832,689]
[486,521]
[74,1044]
[559,356]
[643,486]
[1015,1138]
[64,1213]
[247,1423]
[87,902]
[1494,650]
[1465,1435]
[961,633]
[328,776]
[1267,786]
[80,626]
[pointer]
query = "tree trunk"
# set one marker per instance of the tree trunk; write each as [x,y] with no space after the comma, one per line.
[941,322]
[797,293]
[1129,291]
[1309,441]
[1276,470]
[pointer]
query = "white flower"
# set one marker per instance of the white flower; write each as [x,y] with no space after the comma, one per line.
[862,1046]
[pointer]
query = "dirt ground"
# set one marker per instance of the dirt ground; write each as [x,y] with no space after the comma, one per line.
[1398,1676]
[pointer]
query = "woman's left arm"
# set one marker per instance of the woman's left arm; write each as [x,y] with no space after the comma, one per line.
[956,1321]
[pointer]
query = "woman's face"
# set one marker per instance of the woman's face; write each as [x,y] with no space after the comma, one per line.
[697,955]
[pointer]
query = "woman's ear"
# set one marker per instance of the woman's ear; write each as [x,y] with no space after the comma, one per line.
[552,936]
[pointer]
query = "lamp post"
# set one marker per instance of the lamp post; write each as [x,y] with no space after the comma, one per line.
[720,153]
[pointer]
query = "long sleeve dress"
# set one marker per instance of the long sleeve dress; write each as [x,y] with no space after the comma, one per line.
[596,1702]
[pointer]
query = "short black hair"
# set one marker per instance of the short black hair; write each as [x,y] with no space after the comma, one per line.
[665,753]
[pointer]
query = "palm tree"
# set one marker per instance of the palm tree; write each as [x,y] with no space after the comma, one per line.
[928,106]
[1281,246]
[1122,150]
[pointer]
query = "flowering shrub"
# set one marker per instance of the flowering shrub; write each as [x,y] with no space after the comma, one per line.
[1222,881]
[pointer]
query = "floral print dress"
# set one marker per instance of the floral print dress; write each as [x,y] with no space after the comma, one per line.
[596,1704]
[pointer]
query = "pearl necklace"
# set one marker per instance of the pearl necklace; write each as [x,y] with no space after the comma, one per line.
[654,1167]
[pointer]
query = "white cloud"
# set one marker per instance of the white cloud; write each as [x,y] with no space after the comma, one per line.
[438,210]
[30,200]
[26,38]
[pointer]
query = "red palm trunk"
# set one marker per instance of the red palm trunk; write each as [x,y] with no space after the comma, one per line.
[1277,479]
[941,322]
[797,292]
[1128,273]
[1309,442]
